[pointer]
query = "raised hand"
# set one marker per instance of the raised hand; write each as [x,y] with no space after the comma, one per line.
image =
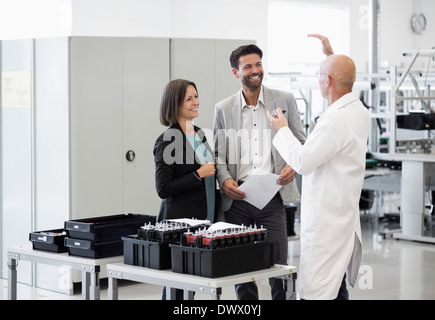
[326,46]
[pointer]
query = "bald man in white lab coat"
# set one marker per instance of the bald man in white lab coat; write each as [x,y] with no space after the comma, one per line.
[332,163]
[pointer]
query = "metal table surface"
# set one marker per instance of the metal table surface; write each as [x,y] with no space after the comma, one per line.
[90,268]
[193,283]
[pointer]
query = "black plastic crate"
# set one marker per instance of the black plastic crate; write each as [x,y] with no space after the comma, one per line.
[416,121]
[49,240]
[94,249]
[107,227]
[214,263]
[144,253]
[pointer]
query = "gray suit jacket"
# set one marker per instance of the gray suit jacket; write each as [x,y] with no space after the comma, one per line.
[227,122]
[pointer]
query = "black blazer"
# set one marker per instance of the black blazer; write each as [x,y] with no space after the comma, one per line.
[183,194]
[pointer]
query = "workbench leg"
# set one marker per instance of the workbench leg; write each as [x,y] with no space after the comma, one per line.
[94,287]
[12,279]
[170,293]
[188,295]
[291,287]
[216,294]
[413,197]
[113,288]
[85,285]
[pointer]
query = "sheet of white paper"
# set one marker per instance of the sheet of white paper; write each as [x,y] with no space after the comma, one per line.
[260,189]
[223,226]
[190,222]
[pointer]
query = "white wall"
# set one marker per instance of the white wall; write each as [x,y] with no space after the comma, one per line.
[145,18]
[247,19]
[427,39]
[22,19]
[219,19]
[222,19]
[396,35]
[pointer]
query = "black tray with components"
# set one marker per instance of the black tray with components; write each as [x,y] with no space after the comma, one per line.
[224,251]
[49,240]
[107,227]
[169,231]
[222,262]
[94,249]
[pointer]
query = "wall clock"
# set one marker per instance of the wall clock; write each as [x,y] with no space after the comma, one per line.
[418,23]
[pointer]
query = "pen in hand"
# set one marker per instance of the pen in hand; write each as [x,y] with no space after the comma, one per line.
[275,113]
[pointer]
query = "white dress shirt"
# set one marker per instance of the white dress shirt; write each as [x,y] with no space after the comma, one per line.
[256,141]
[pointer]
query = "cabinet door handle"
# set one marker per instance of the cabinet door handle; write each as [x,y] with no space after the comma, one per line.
[130,155]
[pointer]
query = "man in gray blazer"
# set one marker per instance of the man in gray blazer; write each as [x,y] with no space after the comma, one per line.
[243,147]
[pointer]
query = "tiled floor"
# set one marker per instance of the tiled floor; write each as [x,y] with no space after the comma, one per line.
[391,270]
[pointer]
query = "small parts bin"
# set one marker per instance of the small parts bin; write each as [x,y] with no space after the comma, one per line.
[49,240]
[94,249]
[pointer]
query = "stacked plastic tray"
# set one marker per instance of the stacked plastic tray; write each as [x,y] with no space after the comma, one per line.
[101,237]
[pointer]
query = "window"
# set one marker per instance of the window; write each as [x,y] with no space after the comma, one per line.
[291,52]
[289,48]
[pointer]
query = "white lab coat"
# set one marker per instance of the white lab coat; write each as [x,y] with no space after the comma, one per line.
[332,162]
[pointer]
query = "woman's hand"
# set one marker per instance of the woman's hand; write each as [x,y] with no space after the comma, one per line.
[207,170]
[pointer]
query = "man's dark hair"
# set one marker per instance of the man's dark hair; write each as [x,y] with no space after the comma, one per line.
[243,51]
